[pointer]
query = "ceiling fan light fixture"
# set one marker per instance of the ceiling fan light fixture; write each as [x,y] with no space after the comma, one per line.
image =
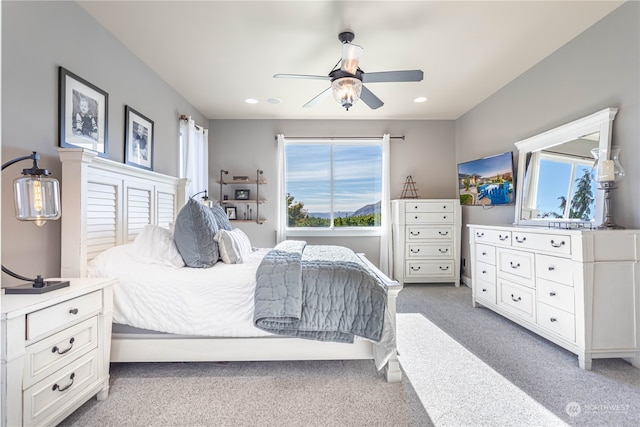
[346,91]
[350,58]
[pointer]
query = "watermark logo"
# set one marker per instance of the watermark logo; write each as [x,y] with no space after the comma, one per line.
[573,409]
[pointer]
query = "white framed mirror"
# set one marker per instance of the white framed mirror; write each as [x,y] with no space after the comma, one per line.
[556,183]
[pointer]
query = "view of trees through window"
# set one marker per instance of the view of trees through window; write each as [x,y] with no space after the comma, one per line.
[572,184]
[333,184]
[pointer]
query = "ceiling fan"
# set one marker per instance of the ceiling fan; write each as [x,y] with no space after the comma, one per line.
[347,80]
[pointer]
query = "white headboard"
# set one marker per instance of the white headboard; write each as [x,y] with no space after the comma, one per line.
[105,204]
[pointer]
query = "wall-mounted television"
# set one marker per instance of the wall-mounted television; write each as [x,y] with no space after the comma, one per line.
[487,181]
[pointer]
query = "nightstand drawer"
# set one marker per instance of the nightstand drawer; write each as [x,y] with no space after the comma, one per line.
[429,218]
[415,233]
[45,357]
[65,313]
[442,268]
[429,250]
[44,399]
[557,321]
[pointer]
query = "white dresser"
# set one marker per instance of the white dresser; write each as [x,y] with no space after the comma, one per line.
[426,240]
[55,351]
[578,289]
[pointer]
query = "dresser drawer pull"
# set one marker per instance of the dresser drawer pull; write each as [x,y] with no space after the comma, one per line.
[444,268]
[553,319]
[443,251]
[521,241]
[478,234]
[414,233]
[514,299]
[443,233]
[55,348]
[552,294]
[415,206]
[444,217]
[484,271]
[73,311]
[551,268]
[415,217]
[514,265]
[557,245]
[503,238]
[61,389]
[484,254]
[415,269]
[484,289]
[414,251]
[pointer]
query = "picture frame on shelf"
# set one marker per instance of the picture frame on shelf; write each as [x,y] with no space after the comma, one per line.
[242,194]
[231,212]
[83,114]
[138,139]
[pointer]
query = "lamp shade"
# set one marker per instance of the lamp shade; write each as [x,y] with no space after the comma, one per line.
[350,58]
[346,91]
[37,198]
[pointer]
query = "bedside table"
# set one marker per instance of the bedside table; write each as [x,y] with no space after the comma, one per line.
[55,351]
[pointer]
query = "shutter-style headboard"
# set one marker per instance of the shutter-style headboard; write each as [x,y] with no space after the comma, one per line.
[105,204]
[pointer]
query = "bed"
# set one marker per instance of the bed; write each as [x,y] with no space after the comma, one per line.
[107,205]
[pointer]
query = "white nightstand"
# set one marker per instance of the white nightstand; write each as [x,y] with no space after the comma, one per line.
[55,351]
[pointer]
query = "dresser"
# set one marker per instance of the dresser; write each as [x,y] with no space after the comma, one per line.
[55,351]
[578,289]
[426,240]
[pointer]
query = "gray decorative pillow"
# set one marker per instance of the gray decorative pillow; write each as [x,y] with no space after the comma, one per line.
[194,232]
[234,246]
[221,218]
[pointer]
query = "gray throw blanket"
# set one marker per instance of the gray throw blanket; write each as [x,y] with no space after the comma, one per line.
[326,293]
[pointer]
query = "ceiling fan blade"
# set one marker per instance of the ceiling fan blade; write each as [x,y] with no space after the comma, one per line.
[318,98]
[393,76]
[300,76]
[350,57]
[370,99]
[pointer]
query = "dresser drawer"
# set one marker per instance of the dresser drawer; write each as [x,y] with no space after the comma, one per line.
[557,321]
[517,299]
[555,243]
[46,356]
[518,265]
[556,295]
[43,400]
[429,218]
[65,313]
[485,272]
[416,233]
[485,291]
[485,253]
[429,207]
[417,269]
[429,250]
[492,236]
[559,270]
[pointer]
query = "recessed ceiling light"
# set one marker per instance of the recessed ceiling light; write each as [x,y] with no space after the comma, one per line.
[273,101]
[251,101]
[420,99]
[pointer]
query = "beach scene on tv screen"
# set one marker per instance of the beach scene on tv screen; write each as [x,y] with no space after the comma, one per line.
[487,181]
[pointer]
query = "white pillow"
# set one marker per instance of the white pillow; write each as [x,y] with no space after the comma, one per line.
[234,245]
[155,245]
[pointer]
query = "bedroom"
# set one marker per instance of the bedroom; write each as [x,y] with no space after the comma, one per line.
[33,36]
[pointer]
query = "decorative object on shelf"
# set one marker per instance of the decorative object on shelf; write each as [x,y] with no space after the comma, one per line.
[37,199]
[242,194]
[138,139]
[240,178]
[231,212]
[608,172]
[83,112]
[409,190]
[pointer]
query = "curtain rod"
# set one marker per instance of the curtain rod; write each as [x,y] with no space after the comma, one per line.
[340,137]
[186,118]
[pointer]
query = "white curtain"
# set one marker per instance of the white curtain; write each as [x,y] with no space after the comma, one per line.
[386,249]
[281,228]
[194,156]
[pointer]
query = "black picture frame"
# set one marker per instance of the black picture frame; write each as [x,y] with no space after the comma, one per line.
[83,114]
[138,139]
[231,212]
[242,194]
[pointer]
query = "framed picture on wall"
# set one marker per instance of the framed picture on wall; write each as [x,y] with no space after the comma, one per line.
[138,139]
[242,194]
[83,111]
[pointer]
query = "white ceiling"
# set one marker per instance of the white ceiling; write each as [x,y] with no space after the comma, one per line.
[218,53]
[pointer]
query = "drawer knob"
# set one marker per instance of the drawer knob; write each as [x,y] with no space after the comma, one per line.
[521,240]
[478,234]
[514,299]
[503,238]
[557,245]
[445,268]
[415,251]
[484,254]
[444,217]
[414,268]
[551,268]
[484,289]
[414,233]
[553,319]
[444,206]
[484,271]
[552,294]
[443,233]
[73,311]
[61,389]
[443,251]
[514,265]
[55,348]
[415,217]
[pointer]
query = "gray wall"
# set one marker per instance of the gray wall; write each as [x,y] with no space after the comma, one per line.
[37,37]
[597,69]
[242,146]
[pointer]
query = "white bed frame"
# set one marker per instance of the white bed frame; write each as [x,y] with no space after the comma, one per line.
[105,204]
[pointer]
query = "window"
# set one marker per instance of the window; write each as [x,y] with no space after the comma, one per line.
[333,185]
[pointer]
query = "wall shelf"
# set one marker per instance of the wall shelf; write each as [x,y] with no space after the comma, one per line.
[257,201]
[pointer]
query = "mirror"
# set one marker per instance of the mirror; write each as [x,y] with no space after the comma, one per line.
[556,182]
